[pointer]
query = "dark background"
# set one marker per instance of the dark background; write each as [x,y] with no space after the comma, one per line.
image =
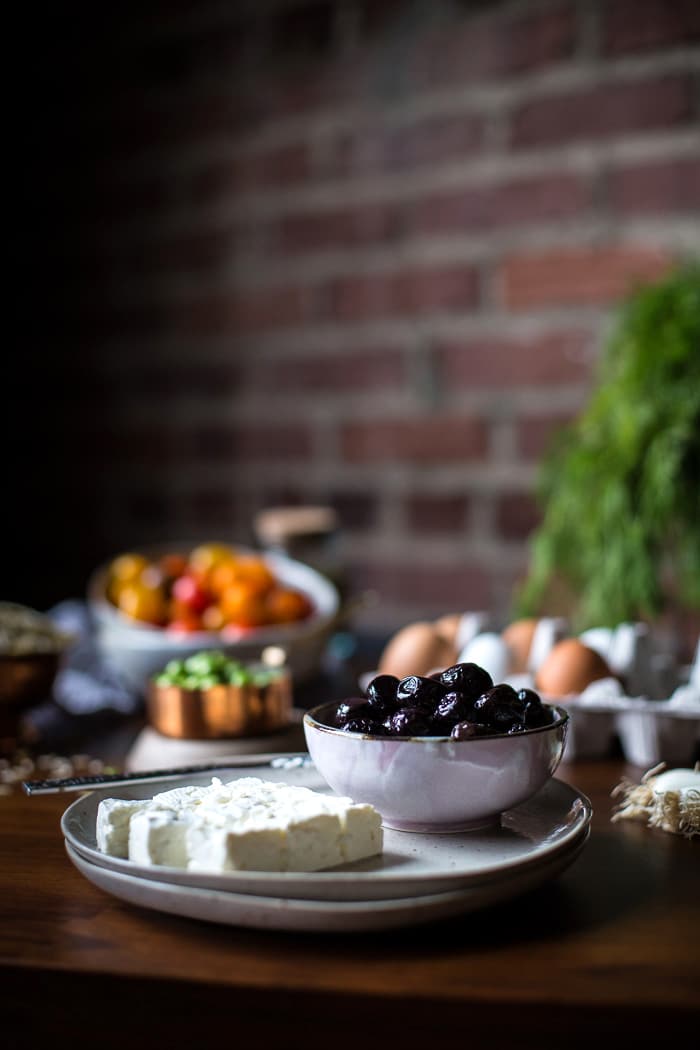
[353,253]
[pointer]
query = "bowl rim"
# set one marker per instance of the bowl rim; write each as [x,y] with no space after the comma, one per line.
[312,722]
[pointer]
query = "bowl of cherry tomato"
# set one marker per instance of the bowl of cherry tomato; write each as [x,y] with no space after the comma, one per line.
[167,602]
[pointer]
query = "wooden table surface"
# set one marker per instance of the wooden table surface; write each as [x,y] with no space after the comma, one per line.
[611,948]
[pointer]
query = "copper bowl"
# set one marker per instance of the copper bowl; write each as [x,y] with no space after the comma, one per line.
[24,680]
[31,651]
[221,711]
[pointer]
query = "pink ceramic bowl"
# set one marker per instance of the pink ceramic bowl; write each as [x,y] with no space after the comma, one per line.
[435,784]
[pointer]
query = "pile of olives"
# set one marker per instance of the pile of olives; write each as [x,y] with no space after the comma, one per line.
[461,702]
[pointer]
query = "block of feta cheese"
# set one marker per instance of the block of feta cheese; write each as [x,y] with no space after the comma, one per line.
[245,825]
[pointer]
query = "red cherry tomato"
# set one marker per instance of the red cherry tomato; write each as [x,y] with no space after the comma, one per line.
[188,594]
[184,625]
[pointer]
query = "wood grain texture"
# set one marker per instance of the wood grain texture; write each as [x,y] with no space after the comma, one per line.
[612,947]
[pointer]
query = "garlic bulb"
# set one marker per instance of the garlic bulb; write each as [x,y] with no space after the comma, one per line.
[666,799]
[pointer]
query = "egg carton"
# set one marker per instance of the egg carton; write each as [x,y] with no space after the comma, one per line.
[648,731]
[660,722]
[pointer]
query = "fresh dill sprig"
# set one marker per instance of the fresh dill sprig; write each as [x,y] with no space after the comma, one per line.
[620,488]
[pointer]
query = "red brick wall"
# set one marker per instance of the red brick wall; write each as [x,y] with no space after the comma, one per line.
[363,253]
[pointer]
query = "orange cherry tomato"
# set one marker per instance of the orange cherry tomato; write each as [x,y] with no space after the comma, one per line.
[285,605]
[243,605]
[203,559]
[251,571]
[142,601]
[256,573]
[222,576]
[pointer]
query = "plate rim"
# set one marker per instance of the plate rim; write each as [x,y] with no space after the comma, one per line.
[366,882]
[337,916]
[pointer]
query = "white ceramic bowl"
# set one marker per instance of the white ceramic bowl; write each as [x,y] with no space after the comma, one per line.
[435,784]
[138,650]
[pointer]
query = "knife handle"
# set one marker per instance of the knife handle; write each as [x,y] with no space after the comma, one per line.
[47,787]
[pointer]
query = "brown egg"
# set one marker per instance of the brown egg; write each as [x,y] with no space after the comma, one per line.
[518,637]
[416,649]
[569,668]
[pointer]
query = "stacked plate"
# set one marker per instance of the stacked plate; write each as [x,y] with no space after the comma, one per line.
[417,878]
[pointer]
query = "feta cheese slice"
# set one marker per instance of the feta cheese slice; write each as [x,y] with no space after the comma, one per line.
[112,828]
[157,836]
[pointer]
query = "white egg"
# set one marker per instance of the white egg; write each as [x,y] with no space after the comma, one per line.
[600,639]
[675,780]
[470,625]
[489,651]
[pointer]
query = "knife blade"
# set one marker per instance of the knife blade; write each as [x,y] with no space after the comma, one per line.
[271,761]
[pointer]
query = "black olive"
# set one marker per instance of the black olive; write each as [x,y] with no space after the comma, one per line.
[408,721]
[363,725]
[452,708]
[343,713]
[529,696]
[381,693]
[468,730]
[416,691]
[535,713]
[469,679]
[538,715]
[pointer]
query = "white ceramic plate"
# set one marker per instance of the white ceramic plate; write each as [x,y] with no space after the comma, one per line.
[284,913]
[411,864]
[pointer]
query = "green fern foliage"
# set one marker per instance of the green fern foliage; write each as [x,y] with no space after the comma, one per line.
[620,488]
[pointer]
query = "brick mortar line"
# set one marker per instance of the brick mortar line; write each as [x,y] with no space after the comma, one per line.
[483,401]
[495,170]
[567,75]
[519,331]
[485,171]
[571,74]
[342,337]
[182,23]
[309,272]
[485,476]
[461,482]
[683,230]
[520,336]
[438,549]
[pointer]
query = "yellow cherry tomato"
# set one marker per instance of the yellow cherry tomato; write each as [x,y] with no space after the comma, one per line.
[123,570]
[143,601]
[203,560]
[128,567]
